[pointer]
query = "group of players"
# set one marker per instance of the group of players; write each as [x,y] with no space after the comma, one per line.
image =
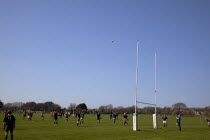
[80,117]
[178,121]
[9,120]
[29,114]
[114,117]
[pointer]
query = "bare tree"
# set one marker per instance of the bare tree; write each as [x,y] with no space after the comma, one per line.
[17,104]
[102,109]
[207,111]
[109,107]
[72,106]
[29,106]
[178,107]
[167,110]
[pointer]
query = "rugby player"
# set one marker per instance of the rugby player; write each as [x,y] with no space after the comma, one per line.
[98,117]
[125,119]
[9,124]
[164,118]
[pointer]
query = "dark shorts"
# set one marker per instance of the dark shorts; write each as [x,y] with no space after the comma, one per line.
[178,123]
[8,128]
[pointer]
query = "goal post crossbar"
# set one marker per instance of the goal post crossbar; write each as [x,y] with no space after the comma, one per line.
[146,103]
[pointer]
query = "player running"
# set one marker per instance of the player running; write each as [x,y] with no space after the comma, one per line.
[30,114]
[42,116]
[24,115]
[125,119]
[78,118]
[9,124]
[115,117]
[55,116]
[178,121]
[98,118]
[164,118]
[67,116]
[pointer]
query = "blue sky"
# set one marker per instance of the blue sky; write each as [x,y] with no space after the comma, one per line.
[62,51]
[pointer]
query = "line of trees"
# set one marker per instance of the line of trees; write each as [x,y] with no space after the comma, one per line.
[105,109]
[32,106]
[173,110]
[44,107]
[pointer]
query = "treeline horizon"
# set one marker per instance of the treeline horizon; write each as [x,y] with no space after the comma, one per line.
[104,109]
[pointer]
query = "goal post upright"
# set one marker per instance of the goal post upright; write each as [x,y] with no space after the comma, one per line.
[155,83]
[135,115]
[155,126]
[137,67]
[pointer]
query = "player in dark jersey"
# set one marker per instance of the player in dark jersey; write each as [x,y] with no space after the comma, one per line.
[125,119]
[9,124]
[98,118]
[114,118]
[178,121]
[30,114]
[67,116]
[164,118]
[24,115]
[55,116]
[42,116]
[78,118]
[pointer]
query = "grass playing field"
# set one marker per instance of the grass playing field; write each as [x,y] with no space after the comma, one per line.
[192,129]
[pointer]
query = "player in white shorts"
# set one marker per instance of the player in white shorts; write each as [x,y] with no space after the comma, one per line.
[164,118]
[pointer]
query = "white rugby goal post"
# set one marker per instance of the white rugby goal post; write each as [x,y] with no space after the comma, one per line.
[135,115]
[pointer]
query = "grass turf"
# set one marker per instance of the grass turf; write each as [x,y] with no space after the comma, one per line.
[37,129]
